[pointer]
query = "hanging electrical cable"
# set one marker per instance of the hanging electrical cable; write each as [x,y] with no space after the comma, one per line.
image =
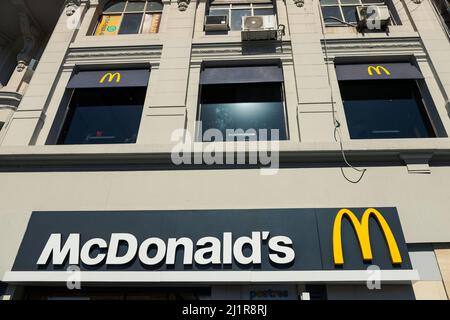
[336,123]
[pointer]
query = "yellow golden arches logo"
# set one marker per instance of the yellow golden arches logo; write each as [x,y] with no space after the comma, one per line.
[378,70]
[362,233]
[111,77]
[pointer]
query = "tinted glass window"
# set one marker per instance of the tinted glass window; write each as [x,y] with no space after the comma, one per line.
[264,12]
[115,6]
[236,18]
[385,109]
[331,12]
[131,23]
[154,6]
[350,14]
[243,106]
[135,6]
[103,116]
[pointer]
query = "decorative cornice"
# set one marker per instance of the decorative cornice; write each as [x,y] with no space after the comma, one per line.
[373,46]
[240,50]
[111,157]
[9,99]
[111,55]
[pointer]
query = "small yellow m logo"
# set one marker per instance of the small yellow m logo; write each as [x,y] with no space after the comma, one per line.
[111,77]
[378,70]
[362,233]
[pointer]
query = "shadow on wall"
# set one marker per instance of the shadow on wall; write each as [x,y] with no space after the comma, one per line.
[260,47]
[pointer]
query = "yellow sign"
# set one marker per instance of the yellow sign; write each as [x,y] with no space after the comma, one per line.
[111,76]
[362,233]
[108,26]
[378,70]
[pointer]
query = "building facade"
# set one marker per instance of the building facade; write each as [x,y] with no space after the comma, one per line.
[117,182]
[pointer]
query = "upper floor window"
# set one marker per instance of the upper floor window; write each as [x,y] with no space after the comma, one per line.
[129,17]
[242,103]
[339,12]
[105,107]
[387,101]
[235,10]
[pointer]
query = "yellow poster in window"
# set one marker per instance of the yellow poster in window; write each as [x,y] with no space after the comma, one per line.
[108,26]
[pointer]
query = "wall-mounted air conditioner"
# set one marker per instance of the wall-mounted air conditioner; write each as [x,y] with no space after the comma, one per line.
[216,23]
[373,17]
[259,28]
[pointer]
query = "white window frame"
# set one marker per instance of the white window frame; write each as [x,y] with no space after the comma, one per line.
[340,5]
[241,6]
[124,12]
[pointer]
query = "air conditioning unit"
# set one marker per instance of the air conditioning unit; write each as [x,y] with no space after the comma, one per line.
[259,28]
[373,17]
[216,23]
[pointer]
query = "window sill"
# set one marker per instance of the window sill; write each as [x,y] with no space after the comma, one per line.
[117,41]
[346,32]
[373,151]
[231,36]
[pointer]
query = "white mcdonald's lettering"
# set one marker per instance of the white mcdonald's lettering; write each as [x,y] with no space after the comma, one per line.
[207,250]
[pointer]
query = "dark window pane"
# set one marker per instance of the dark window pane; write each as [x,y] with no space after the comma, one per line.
[104,116]
[385,109]
[350,14]
[232,93]
[350,2]
[264,12]
[236,18]
[329,12]
[131,23]
[243,106]
[324,2]
[154,6]
[115,6]
[135,6]
[373,1]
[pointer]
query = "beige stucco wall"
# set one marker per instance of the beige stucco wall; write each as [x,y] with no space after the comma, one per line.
[443,257]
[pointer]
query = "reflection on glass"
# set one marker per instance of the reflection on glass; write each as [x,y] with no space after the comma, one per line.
[264,12]
[154,6]
[385,109]
[326,2]
[115,7]
[350,14]
[135,6]
[236,18]
[329,12]
[251,116]
[350,2]
[219,12]
[131,23]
